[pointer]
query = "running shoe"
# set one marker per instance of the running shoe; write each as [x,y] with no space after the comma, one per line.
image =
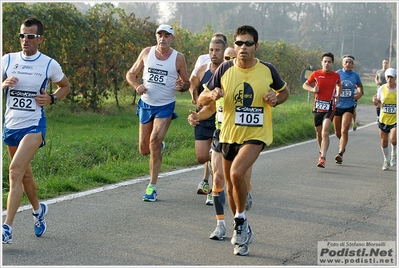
[203,187]
[219,233]
[393,160]
[241,232]
[40,226]
[7,234]
[209,199]
[354,126]
[163,147]
[385,166]
[150,194]
[248,205]
[339,159]
[322,162]
[243,250]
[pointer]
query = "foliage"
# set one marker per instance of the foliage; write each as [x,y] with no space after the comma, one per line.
[144,10]
[192,45]
[289,60]
[95,49]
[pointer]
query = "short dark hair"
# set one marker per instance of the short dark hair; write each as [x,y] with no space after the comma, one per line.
[220,35]
[218,41]
[328,54]
[34,21]
[246,29]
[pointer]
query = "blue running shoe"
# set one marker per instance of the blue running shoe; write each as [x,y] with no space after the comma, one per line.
[163,147]
[150,194]
[40,223]
[7,234]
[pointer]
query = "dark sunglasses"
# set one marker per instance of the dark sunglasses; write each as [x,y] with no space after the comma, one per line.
[229,57]
[249,43]
[30,36]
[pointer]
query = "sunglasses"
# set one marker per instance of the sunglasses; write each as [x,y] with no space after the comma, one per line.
[30,36]
[249,43]
[229,57]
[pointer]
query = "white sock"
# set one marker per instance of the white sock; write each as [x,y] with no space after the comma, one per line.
[221,222]
[385,152]
[240,215]
[38,211]
[393,150]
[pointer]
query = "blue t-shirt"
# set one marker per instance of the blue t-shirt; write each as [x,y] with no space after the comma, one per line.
[349,81]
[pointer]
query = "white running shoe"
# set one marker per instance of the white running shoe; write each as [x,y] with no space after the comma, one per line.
[219,233]
[385,166]
[209,199]
[203,187]
[393,160]
[243,250]
[241,234]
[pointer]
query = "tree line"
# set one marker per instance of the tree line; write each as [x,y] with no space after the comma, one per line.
[359,28]
[96,48]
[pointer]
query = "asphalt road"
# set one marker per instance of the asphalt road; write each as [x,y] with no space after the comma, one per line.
[296,204]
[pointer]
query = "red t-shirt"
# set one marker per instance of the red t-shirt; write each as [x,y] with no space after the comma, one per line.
[327,85]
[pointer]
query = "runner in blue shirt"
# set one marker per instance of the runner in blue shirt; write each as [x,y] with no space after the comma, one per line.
[352,90]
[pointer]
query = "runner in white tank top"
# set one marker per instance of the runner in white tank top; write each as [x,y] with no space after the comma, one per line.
[164,73]
[159,77]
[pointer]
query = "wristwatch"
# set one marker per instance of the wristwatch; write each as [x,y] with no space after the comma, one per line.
[53,98]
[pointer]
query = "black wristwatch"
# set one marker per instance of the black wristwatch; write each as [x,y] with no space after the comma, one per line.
[53,98]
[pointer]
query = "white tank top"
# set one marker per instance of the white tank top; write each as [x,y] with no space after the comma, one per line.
[159,77]
[33,73]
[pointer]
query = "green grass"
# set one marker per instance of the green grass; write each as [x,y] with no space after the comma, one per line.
[85,150]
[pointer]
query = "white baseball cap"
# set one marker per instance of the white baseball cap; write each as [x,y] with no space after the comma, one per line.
[165,27]
[390,72]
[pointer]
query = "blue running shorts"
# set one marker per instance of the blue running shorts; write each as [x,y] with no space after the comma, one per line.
[147,113]
[12,137]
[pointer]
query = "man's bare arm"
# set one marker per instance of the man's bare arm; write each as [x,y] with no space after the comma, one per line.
[182,70]
[132,75]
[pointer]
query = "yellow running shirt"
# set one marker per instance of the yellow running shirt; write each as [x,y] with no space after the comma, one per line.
[245,115]
[388,105]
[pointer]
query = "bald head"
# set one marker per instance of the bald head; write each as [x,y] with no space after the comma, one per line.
[230,52]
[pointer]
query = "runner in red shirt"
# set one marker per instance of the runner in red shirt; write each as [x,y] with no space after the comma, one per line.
[326,86]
